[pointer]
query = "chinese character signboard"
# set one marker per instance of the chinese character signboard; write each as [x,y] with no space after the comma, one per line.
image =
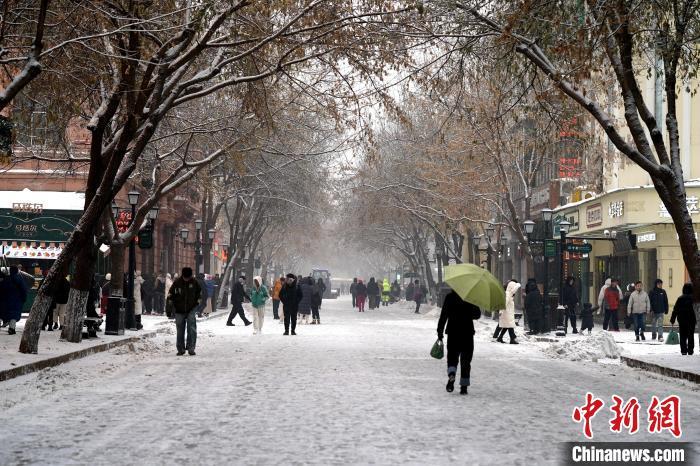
[123,220]
[616,209]
[594,215]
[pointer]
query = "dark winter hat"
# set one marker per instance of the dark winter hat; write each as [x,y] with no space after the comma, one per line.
[187,272]
[242,276]
[657,281]
[291,275]
[688,288]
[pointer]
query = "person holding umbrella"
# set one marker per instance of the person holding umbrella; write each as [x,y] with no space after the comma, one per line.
[472,288]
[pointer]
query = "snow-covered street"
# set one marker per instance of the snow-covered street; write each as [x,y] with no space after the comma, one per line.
[360,389]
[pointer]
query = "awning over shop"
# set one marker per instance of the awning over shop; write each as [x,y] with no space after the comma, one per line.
[30,250]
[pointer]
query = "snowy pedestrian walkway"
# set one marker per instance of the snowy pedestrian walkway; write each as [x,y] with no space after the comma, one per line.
[359,389]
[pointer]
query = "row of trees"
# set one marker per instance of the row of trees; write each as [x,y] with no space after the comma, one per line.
[134,73]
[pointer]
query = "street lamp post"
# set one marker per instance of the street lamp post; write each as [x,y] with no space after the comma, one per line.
[130,317]
[529,229]
[563,230]
[197,245]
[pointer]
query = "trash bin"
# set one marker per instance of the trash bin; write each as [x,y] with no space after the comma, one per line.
[116,315]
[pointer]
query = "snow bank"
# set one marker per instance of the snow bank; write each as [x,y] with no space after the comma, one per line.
[587,348]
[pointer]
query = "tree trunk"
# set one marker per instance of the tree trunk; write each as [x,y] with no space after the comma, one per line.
[32,328]
[80,289]
[75,312]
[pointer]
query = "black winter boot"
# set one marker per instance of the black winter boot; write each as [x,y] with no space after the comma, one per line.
[450,383]
[463,390]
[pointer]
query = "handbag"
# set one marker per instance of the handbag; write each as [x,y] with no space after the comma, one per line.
[673,338]
[438,350]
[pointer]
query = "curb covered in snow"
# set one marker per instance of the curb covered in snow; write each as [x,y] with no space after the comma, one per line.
[667,371]
[24,369]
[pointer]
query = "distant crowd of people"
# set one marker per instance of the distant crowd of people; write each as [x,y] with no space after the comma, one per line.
[375,294]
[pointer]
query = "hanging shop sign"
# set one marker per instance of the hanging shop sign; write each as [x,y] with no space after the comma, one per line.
[594,215]
[45,228]
[579,248]
[123,220]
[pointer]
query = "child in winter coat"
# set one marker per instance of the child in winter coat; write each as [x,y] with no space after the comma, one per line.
[684,312]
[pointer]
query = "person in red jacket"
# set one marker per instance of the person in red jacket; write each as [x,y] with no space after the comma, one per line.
[612,298]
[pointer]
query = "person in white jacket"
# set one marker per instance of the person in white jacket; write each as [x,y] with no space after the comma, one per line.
[138,281]
[637,306]
[506,317]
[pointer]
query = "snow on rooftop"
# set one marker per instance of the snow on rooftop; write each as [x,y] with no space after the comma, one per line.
[50,200]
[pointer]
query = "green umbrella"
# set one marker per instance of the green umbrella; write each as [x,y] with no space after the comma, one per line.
[476,285]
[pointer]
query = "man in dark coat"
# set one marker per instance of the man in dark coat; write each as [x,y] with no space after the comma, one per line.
[659,308]
[291,295]
[570,301]
[353,291]
[533,307]
[13,294]
[185,295]
[458,316]
[238,294]
[684,312]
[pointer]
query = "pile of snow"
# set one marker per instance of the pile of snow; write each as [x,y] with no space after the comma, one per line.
[586,348]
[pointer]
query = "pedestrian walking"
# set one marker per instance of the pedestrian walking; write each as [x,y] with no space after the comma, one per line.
[138,305]
[147,290]
[238,294]
[353,292]
[185,296]
[159,294]
[418,295]
[570,301]
[316,301]
[533,307]
[659,308]
[13,295]
[305,303]
[638,305]
[321,288]
[211,289]
[258,298]
[361,292]
[372,293]
[386,292]
[395,291]
[506,318]
[409,291]
[61,293]
[684,312]
[457,322]
[611,299]
[168,283]
[276,297]
[290,296]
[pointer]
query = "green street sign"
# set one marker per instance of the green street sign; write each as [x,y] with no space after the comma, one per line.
[146,238]
[579,248]
[550,248]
